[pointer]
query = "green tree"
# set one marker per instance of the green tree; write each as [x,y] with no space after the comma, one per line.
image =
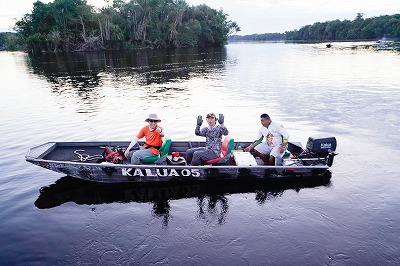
[358,29]
[65,25]
[11,41]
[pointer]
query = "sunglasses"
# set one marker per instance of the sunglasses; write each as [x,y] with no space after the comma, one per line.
[152,121]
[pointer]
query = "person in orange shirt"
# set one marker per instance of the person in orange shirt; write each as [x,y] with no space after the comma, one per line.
[153,134]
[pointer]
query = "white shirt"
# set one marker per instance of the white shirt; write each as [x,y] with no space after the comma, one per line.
[274,135]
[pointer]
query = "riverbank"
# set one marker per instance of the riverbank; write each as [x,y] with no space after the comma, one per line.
[381,45]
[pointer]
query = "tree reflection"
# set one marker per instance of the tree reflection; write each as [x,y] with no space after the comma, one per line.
[146,65]
[90,77]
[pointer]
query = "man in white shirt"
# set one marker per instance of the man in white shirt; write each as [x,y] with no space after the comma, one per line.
[276,138]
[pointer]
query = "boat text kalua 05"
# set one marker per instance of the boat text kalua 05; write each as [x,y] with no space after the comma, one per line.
[105,161]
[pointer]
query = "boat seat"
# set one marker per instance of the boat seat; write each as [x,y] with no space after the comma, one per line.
[163,151]
[226,149]
[286,155]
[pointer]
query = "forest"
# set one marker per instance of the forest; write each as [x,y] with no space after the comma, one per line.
[73,25]
[257,37]
[374,28]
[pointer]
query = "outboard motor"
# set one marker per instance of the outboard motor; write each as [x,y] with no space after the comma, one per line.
[322,147]
[319,149]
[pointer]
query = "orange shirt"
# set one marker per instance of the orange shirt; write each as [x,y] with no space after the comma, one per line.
[153,138]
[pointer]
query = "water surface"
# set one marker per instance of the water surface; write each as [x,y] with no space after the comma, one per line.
[352,94]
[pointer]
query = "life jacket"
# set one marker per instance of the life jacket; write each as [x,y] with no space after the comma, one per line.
[113,155]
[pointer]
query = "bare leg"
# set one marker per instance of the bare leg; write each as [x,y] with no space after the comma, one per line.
[263,157]
[271,160]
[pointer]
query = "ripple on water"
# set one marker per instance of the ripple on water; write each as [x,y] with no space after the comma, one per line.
[350,94]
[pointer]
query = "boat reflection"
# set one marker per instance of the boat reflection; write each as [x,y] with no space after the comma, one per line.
[209,193]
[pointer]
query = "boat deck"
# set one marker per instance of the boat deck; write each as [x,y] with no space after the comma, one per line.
[75,153]
[92,152]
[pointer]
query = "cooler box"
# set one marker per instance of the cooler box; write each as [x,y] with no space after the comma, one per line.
[244,158]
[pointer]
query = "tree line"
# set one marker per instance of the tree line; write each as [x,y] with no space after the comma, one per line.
[359,29]
[73,25]
[258,37]
[11,41]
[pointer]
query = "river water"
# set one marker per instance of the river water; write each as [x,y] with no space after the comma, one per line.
[353,94]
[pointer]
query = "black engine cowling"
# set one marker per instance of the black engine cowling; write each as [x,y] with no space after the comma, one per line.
[321,146]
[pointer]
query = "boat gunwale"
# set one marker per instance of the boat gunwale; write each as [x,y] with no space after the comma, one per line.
[107,164]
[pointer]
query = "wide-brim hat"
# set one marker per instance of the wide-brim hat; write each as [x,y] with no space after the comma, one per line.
[152,117]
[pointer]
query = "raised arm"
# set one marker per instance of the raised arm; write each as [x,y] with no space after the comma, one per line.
[199,123]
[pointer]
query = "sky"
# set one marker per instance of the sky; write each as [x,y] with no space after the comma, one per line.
[253,16]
